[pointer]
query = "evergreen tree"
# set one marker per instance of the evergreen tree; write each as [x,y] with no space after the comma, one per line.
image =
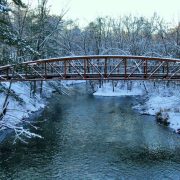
[10,40]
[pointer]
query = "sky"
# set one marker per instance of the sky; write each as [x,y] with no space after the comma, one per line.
[87,10]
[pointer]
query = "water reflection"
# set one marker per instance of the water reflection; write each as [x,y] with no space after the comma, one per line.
[87,137]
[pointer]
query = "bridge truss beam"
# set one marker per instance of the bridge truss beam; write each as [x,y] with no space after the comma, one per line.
[94,68]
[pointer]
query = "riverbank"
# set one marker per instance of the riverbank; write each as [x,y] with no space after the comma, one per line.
[24,105]
[157,97]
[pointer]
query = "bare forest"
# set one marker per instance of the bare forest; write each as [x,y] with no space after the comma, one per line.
[31,34]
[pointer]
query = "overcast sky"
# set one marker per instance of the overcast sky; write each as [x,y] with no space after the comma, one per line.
[87,10]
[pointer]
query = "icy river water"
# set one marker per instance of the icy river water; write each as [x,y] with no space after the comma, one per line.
[88,137]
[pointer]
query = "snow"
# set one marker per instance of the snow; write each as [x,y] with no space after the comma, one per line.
[108,56]
[106,90]
[159,98]
[170,105]
[28,104]
[16,110]
[21,105]
[4,8]
[72,82]
[157,103]
[174,121]
[164,99]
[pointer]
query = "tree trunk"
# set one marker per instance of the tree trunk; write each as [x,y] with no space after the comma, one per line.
[5,104]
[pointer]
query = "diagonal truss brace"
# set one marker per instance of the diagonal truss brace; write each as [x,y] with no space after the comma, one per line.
[115,68]
[156,69]
[55,70]
[174,74]
[17,73]
[37,72]
[76,70]
[96,69]
[137,67]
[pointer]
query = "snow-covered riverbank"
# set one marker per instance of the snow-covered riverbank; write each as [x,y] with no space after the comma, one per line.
[120,90]
[157,97]
[23,103]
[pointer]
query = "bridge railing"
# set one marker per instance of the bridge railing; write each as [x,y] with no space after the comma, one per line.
[94,68]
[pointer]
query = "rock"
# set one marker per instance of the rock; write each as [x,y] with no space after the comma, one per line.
[162,118]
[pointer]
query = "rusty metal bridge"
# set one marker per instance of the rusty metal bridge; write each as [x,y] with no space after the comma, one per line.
[95,67]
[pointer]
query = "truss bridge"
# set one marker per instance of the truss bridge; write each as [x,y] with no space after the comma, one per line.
[95,67]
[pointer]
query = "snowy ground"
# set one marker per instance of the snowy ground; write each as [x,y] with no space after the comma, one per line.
[21,105]
[159,98]
[18,110]
[30,104]
[24,103]
[119,90]
[71,82]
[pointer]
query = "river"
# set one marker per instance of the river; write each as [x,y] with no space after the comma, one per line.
[88,137]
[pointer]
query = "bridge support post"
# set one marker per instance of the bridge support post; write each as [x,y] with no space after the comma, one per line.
[65,68]
[45,70]
[105,68]
[7,73]
[85,66]
[167,69]
[125,68]
[145,69]
[26,70]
